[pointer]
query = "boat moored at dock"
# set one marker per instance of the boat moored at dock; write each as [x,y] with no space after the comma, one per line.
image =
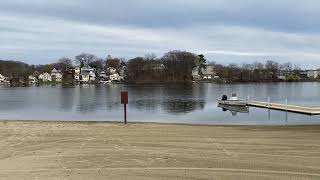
[233,101]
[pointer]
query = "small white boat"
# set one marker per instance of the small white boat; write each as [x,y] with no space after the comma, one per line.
[234,109]
[233,101]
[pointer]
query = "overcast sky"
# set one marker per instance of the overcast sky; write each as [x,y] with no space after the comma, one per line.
[226,31]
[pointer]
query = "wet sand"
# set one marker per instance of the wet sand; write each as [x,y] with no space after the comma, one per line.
[81,151]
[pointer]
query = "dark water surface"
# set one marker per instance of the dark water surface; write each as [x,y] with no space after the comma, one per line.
[194,104]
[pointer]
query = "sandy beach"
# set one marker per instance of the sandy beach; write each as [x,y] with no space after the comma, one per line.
[82,151]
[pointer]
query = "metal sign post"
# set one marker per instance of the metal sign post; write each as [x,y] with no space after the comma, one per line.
[124,101]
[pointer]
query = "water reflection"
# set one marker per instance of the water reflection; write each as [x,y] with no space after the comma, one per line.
[172,99]
[182,106]
[234,109]
[91,98]
[145,104]
[67,97]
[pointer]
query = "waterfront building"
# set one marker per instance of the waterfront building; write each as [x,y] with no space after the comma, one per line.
[313,74]
[103,75]
[32,79]
[207,73]
[45,77]
[77,73]
[87,74]
[115,77]
[111,70]
[3,79]
[56,75]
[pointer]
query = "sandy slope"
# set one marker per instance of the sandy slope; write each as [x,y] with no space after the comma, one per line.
[56,150]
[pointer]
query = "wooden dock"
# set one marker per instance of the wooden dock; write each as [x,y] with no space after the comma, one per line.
[284,107]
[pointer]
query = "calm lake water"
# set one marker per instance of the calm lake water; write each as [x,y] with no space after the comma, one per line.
[192,104]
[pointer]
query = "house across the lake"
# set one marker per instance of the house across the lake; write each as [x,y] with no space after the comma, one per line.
[313,74]
[45,77]
[32,79]
[103,76]
[3,79]
[207,73]
[77,74]
[56,75]
[115,77]
[87,75]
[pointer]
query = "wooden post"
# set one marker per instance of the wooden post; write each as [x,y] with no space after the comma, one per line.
[125,113]
[286,111]
[124,101]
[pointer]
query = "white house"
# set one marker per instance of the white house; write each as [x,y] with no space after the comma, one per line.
[313,74]
[115,77]
[111,70]
[56,75]
[123,72]
[3,79]
[103,75]
[45,77]
[87,74]
[208,72]
[77,73]
[32,79]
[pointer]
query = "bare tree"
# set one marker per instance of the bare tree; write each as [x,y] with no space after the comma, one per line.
[287,67]
[113,62]
[150,57]
[179,65]
[272,69]
[84,59]
[64,63]
[134,68]
[97,64]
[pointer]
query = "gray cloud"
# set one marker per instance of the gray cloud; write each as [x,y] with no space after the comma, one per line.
[40,31]
[284,15]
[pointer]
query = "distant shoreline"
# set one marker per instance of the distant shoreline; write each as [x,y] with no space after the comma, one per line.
[162,83]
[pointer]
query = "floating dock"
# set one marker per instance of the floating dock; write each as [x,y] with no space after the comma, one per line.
[284,107]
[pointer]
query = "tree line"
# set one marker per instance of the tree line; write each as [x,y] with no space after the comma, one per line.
[173,67]
[258,72]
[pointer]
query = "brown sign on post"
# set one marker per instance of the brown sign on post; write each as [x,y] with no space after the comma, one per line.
[124,97]
[124,101]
